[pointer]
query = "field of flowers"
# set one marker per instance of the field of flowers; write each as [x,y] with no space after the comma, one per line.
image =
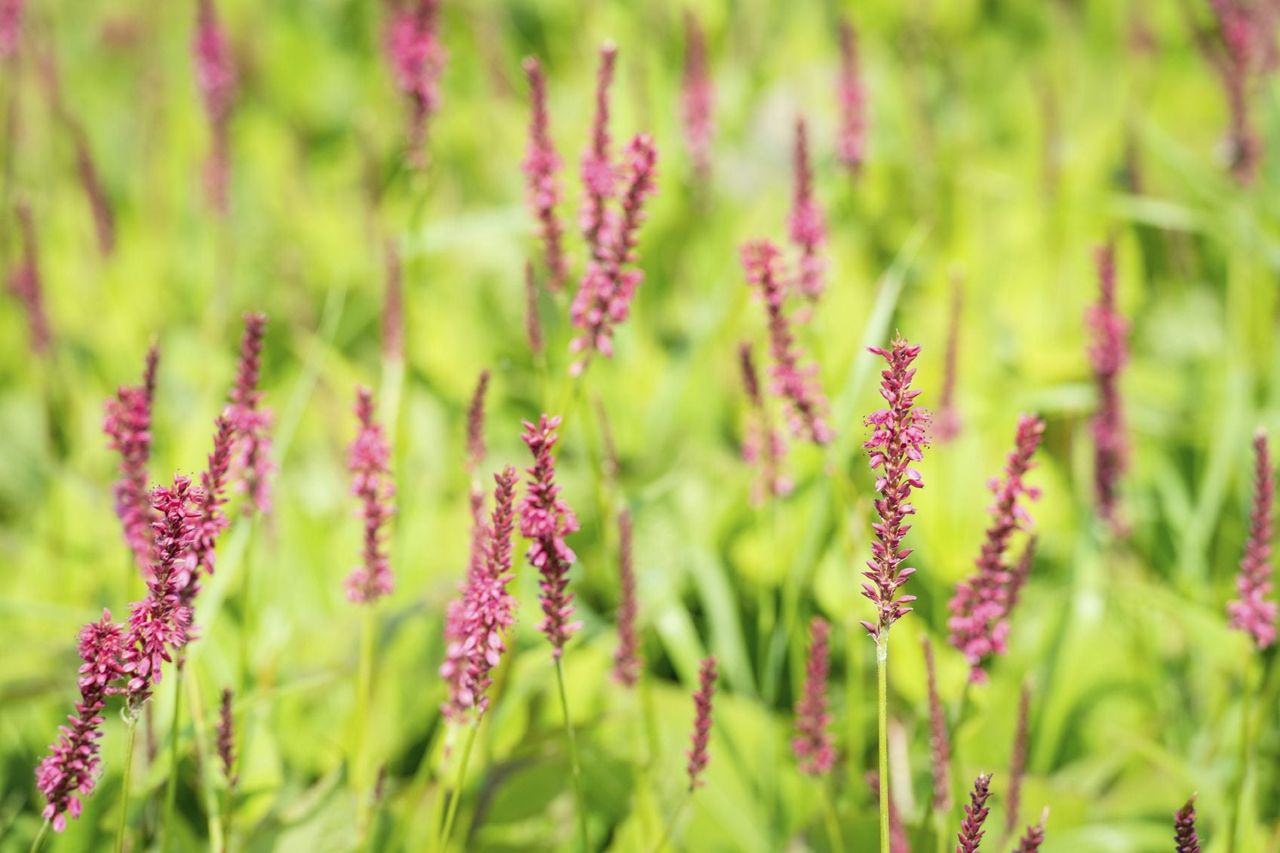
[524,424]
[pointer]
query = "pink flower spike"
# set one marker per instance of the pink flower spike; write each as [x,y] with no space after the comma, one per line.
[762,444]
[475,424]
[975,814]
[806,221]
[541,163]
[794,382]
[546,520]
[697,98]
[812,745]
[1034,836]
[25,285]
[701,739]
[227,740]
[11,15]
[417,58]
[127,423]
[598,178]
[852,145]
[626,659]
[212,520]
[1252,612]
[1108,353]
[1184,826]
[368,460]
[216,79]
[896,443]
[252,421]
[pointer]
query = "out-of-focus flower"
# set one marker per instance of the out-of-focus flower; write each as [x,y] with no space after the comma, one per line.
[216,79]
[806,221]
[762,443]
[546,520]
[975,813]
[1253,613]
[794,382]
[947,423]
[532,322]
[369,461]
[475,423]
[812,744]
[852,143]
[626,659]
[1033,837]
[252,421]
[25,285]
[896,443]
[417,57]
[1184,827]
[1108,353]
[127,423]
[697,98]
[939,742]
[598,178]
[1018,764]
[541,163]
[701,739]
[11,14]
[227,740]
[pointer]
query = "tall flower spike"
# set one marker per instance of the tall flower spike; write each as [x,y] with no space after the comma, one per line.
[127,423]
[975,813]
[393,305]
[368,460]
[541,163]
[1034,836]
[806,221]
[611,279]
[70,771]
[794,382]
[697,98]
[211,520]
[1108,353]
[1018,764]
[852,144]
[546,520]
[417,58]
[979,623]
[532,322]
[626,659]
[227,740]
[24,282]
[947,424]
[598,178]
[216,78]
[1253,613]
[701,738]
[252,420]
[475,423]
[812,744]
[1184,828]
[896,443]
[1242,54]
[939,741]
[762,443]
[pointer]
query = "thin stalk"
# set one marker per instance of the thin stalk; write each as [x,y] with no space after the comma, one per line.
[171,786]
[364,681]
[1242,777]
[882,705]
[452,812]
[38,842]
[671,824]
[124,790]
[834,835]
[217,838]
[575,766]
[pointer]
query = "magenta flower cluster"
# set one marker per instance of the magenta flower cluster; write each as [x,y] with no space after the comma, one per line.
[1108,354]
[626,658]
[896,444]
[417,57]
[852,141]
[216,80]
[975,814]
[598,175]
[11,15]
[813,745]
[227,739]
[697,98]
[1253,612]
[127,423]
[806,222]
[369,460]
[980,608]
[251,419]
[1184,828]
[211,520]
[541,163]
[700,740]
[546,520]
[763,444]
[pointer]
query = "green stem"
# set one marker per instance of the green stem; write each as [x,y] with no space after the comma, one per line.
[171,785]
[38,842]
[671,824]
[575,767]
[124,790]
[364,680]
[882,705]
[1242,777]
[217,840]
[452,812]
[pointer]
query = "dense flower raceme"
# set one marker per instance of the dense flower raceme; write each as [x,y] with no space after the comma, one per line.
[25,285]
[947,423]
[697,97]
[806,222]
[251,419]
[417,58]
[70,771]
[541,165]
[546,520]
[1033,837]
[980,607]
[1108,353]
[975,814]
[939,741]
[896,443]
[227,739]
[475,458]
[1184,828]
[611,279]
[216,79]
[211,520]
[626,659]
[812,744]
[796,383]
[1253,613]
[701,738]
[368,460]
[599,181]
[127,423]
[852,142]
[1018,763]
[763,444]
[1243,53]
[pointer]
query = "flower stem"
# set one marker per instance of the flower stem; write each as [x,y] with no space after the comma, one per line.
[364,681]
[1242,777]
[124,790]
[671,824]
[217,837]
[38,842]
[452,812]
[882,704]
[171,785]
[575,767]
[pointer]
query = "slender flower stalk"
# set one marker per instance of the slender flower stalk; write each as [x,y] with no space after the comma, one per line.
[227,740]
[939,740]
[25,285]
[541,163]
[626,658]
[252,420]
[71,770]
[806,221]
[1108,354]
[792,380]
[980,608]
[762,443]
[948,423]
[599,180]
[1253,612]
[1033,837]
[852,142]
[417,57]
[127,423]
[1018,764]
[975,814]
[393,305]
[898,841]
[1184,827]
[546,520]
[216,79]
[697,98]
[368,460]
[532,322]
[700,740]
[812,744]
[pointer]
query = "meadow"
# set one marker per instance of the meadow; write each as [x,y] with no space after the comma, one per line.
[467,466]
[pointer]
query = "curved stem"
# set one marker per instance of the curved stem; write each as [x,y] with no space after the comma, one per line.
[882,704]
[452,812]
[171,786]
[38,842]
[575,767]
[124,790]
